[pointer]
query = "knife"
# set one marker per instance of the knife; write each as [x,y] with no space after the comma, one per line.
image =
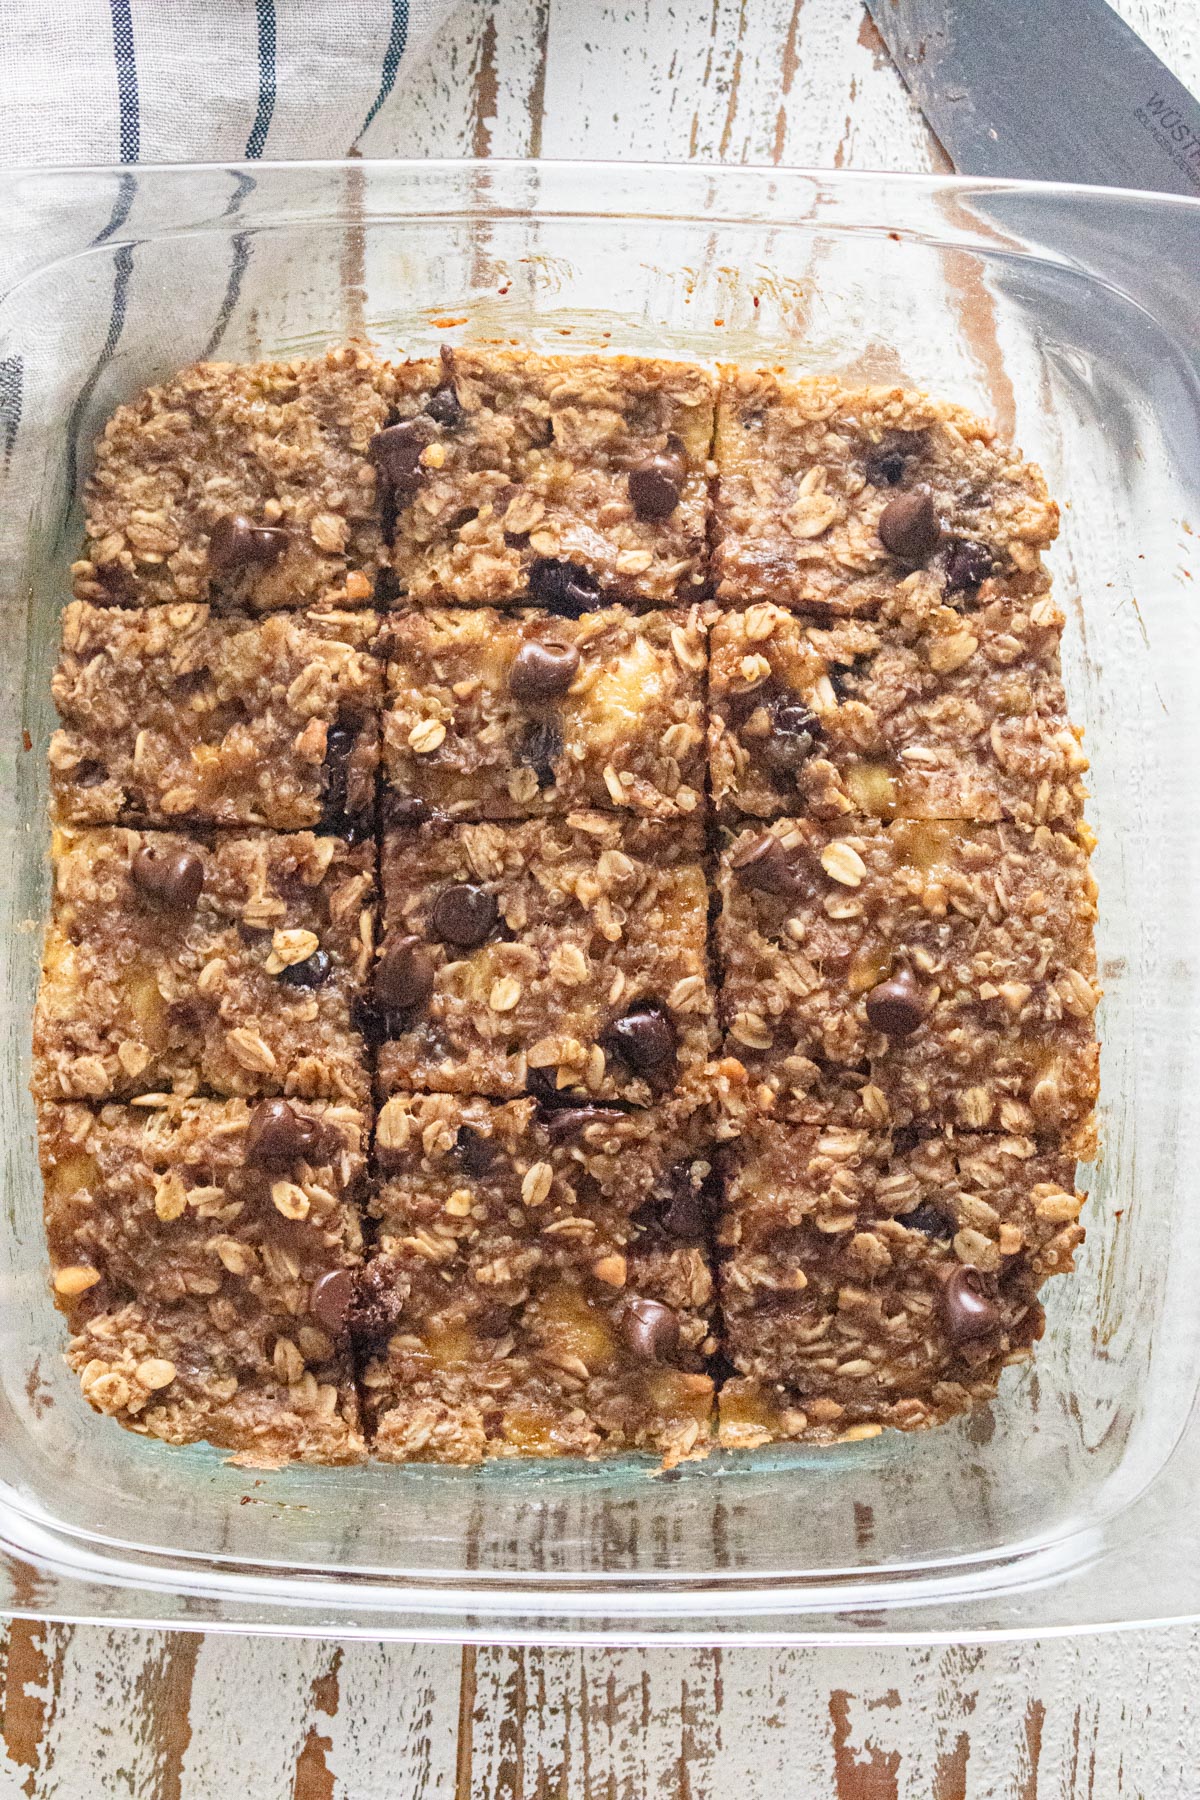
[1049,90]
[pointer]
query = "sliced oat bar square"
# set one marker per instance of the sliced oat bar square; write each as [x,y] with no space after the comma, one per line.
[203,1252]
[493,715]
[553,479]
[871,1279]
[178,713]
[921,712]
[229,965]
[922,972]
[562,957]
[830,496]
[249,484]
[541,1282]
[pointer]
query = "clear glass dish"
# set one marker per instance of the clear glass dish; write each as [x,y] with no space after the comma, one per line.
[1064,312]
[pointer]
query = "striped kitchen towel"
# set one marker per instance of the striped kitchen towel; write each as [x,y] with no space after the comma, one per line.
[108,81]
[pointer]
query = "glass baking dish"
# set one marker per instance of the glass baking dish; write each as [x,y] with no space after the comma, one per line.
[1063,312]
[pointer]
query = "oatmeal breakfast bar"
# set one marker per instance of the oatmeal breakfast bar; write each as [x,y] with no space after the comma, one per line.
[227,965]
[246,484]
[830,497]
[920,712]
[204,1254]
[870,1279]
[540,1283]
[178,713]
[917,972]
[493,715]
[564,956]
[551,480]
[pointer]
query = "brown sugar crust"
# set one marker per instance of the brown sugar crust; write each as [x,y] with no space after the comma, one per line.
[805,473]
[177,713]
[597,918]
[923,712]
[283,445]
[186,1273]
[992,925]
[627,733]
[536,467]
[225,997]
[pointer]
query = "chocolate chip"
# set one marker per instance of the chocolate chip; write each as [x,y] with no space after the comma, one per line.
[474,1151]
[174,878]
[236,542]
[656,484]
[404,812]
[313,972]
[650,1329]
[966,1309]
[278,1136]
[684,1206]
[908,526]
[377,1303]
[897,1006]
[404,975]
[565,1122]
[340,741]
[330,1299]
[463,915]
[794,732]
[445,408]
[542,671]
[562,587]
[540,745]
[396,453]
[645,1038]
[764,864]
[89,772]
[885,470]
[928,1220]
[967,564]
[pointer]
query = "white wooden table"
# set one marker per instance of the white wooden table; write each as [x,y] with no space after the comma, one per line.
[90,1714]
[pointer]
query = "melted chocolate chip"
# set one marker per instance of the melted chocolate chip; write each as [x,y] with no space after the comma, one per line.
[967,564]
[313,972]
[562,587]
[885,470]
[566,1122]
[404,975]
[278,1136]
[89,772]
[330,1299]
[656,484]
[684,1205]
[541,671]
[908,526]
[897,1006]
[966,1310]
[377,1304]
[404,812]
[764,864]
[645,1038]
[928,1220]
[445,408]
[340,741]
[650,1330]
[540,745]
[463,915]
[793,735]
[236,542]
[474,1151]
[396,453]
[174,878]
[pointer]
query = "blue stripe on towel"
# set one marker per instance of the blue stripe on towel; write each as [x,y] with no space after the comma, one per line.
[397,39]
[12,384]
[265,14]
[127,81]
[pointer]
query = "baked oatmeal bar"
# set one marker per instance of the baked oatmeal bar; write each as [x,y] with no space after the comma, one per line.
[552,479]
[541,1283]
[921,712]
[565,956]
[247,484]
[872,1280]
[228,965]
[203,1252]
[494,715]
[177,712]
[831,496]
[931,972]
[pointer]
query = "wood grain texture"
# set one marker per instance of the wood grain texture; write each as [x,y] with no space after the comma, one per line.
[90,1714]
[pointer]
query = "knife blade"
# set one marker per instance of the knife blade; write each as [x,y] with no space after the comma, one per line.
[1049,90]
